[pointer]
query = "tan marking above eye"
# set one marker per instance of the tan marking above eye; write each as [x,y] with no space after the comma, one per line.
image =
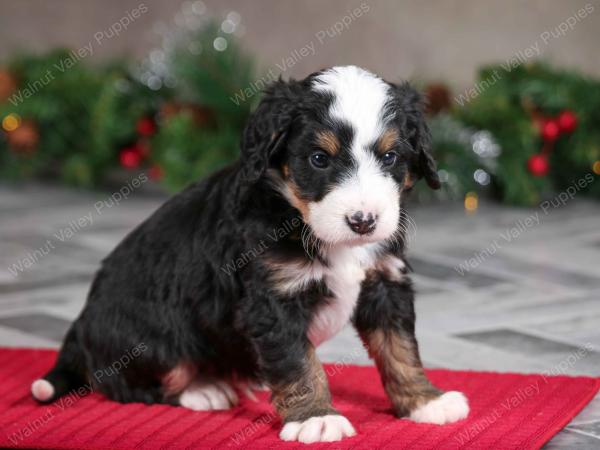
[329,142]
[387,140]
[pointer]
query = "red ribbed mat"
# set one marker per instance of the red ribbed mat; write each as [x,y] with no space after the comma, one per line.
[508,411]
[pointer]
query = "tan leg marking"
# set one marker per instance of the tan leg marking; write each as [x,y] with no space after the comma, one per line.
[305,407]
[402,375]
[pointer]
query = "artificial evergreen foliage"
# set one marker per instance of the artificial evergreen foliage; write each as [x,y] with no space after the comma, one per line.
[531,133]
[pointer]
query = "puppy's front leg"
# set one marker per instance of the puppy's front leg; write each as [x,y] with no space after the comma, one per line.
[288,363]
[304,405]
[385,320]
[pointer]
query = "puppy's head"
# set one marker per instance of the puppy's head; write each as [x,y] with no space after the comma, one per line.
[342,145]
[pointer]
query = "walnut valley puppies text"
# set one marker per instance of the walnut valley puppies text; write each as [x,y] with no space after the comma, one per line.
[74,226]
[528,53]
[75,56]
[321,38]
[116,367]
[523,225]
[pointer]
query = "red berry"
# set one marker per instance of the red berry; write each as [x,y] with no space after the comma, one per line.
[155,172]
[567,121]
[550,130]
[538,165]
[145,126]
[130,158]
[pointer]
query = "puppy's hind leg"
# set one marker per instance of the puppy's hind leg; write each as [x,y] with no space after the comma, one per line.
[208,394]
[197,392]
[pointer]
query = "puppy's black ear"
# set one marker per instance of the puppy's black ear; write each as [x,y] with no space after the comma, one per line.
[408,106]
[267,128]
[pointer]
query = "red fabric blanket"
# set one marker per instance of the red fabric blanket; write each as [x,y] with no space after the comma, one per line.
[508,411]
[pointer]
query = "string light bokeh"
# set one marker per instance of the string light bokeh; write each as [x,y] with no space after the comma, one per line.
[155,71]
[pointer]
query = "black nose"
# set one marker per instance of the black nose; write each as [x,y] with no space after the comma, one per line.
[361,224]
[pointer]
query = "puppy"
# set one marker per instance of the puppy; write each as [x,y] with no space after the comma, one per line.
[242,275]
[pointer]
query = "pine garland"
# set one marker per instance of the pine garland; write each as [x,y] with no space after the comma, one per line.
[516,107]
[533,132]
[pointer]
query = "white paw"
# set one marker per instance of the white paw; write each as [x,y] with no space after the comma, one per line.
[447,408]
[208,396]
[42,390]
[318,429]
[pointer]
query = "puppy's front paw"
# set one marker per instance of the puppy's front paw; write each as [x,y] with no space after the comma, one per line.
[328,428]
[447,408]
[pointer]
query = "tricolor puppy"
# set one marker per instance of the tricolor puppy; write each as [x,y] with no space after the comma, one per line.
[242,275]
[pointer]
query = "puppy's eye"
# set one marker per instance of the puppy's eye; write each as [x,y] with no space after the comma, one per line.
[320,160]
[389,159]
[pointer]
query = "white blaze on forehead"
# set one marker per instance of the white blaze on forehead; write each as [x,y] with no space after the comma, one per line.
[359,98]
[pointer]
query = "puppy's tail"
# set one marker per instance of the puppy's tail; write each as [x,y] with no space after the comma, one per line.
[68,372]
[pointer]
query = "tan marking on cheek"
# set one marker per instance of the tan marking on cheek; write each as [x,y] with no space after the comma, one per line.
[387,140]
[296,199]
[286,171]
[329,142]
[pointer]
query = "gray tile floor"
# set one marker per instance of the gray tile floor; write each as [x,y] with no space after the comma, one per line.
[528,300]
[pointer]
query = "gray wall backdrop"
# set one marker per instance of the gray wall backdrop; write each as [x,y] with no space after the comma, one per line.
[430,40]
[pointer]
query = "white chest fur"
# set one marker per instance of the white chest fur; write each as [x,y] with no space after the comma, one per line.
[343,276]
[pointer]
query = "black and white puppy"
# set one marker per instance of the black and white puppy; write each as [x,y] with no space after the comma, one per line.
[242,275]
